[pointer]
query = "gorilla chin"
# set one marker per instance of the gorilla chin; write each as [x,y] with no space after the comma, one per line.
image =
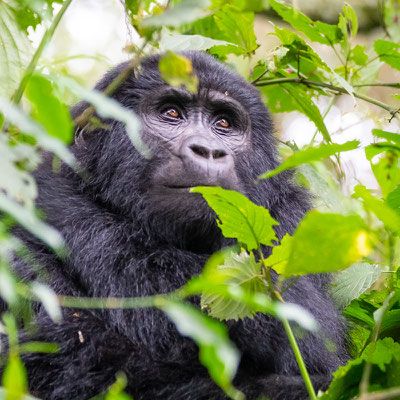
[134,230]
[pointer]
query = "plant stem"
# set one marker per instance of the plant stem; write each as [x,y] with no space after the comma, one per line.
[308,82]
[36,56]
[382,395]
[292,340]
[299,359]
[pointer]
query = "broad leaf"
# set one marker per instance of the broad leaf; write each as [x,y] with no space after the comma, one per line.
[322,243]
[239,218]
[177,70]
[17,117]
[48,109]
[175,42]
[237,28]
[393,199]
[110,108]
[217,353]
[388,52]
[311,154]
[183,12]
[49,300]
[239,270]
[15,49]
[352,282]
[316,31]
[386,214]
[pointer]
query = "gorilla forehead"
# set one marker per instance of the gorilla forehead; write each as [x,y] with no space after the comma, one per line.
[211,74]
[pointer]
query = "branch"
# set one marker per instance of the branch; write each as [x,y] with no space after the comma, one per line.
[36,56]
[337,89]
[391,393]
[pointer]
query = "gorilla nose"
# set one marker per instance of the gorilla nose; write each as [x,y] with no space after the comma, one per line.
[206,157]
[200,149]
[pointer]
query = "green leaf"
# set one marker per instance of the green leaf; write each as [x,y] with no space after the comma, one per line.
[110,108]
[280,254]
[216,351]
[237,28]
[32,223]
[177,71]
[358,55]
[239,218]
[15,379]
[49,300]
[390,136]
[393,199]
[316,31]
[382,352]
[324,243]
[183,12]
[15,50]
[388,52]
[239,270]
[175,42]
[15,181]
[352,282]
[17,117]
[48,109]
[311,154]
[387,215]
[351,19]
[306,106]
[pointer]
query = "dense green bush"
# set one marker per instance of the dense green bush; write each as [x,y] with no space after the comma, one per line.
[356,237]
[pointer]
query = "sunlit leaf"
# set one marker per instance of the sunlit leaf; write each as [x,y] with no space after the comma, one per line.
[237,28]
[49,300]
[386,214]
[323,243]
[183,12]
[177,70]
[311,154]
[316,31]
[239,218]
[15,49]
[175,42]
[17,117]
[240,270]
[48,109]
[109,108]
[389,52]
[32,223]
[15,379]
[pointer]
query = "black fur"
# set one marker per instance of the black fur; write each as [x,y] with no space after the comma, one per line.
[125,241]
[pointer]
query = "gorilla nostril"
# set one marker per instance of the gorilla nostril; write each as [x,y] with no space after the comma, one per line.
[218,154]
[200,151]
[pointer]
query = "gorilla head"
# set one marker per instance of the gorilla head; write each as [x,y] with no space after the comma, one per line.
[219,136]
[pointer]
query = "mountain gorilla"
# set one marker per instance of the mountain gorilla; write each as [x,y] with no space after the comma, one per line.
[133,229]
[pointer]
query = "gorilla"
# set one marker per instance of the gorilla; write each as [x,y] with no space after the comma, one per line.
[133,229]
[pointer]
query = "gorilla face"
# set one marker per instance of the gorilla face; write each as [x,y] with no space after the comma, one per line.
[199,137]
[219,136]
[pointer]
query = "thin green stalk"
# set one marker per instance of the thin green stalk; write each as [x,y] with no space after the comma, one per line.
[299,359]
[292,340]
[331,103]
[36,56]
[308,82]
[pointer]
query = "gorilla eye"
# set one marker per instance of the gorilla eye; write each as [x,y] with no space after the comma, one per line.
[173,113]
[223,123]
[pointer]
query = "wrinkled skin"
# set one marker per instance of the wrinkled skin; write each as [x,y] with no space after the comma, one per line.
[133,229]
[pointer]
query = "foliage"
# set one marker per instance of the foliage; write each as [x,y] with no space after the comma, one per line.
[357,235]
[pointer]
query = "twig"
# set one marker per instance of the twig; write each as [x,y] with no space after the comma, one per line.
[308,82]
[391,393]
